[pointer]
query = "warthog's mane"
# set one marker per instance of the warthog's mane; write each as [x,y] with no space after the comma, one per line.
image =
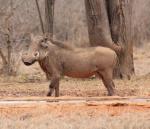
[57,43]
[62,45]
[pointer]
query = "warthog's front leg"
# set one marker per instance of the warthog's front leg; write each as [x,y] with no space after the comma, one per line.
[54,85]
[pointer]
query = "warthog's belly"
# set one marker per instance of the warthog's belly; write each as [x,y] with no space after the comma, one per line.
[79,75]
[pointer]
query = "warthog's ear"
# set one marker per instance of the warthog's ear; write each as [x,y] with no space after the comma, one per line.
[46,37]
[44,44]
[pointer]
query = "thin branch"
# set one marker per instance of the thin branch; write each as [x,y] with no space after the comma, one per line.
[8,16]
[40,17]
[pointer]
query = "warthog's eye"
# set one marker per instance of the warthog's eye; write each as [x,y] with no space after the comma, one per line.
[42,41]
[36,54]
[26,46]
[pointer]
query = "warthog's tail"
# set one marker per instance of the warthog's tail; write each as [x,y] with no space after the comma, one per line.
[117,67]
[117,48]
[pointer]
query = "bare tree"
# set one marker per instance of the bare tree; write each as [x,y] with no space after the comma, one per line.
[7,67]
[18,19]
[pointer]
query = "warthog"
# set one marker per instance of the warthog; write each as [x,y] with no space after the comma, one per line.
[57,60]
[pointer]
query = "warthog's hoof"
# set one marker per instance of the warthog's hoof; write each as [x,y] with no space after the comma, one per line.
[49,94]
[112,94]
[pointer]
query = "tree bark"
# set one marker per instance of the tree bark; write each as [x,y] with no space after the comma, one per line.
[120,14]
[49,17]
[109,21]
[98,24]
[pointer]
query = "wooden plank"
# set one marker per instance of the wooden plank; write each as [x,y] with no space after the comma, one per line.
[114,101]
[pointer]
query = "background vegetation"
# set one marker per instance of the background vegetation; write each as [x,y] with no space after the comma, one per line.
[19,18]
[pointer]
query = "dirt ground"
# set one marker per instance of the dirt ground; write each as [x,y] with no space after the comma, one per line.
[74,87]
[74,113]
[103,114]
[31,82]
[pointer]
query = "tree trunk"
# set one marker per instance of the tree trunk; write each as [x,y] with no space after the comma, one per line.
[120,14]
[49,16]
[109,22]
[98,25]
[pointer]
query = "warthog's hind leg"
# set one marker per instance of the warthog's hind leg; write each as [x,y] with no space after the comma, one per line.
[107,78]
[57,90]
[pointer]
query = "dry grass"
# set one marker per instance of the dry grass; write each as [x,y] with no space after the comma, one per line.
[127,121]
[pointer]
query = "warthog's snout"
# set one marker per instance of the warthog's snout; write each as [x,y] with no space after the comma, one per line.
[29,59]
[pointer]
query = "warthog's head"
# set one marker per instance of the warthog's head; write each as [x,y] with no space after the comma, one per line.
[38,50]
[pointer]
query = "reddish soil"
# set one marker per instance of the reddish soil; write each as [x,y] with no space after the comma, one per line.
[67,107]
